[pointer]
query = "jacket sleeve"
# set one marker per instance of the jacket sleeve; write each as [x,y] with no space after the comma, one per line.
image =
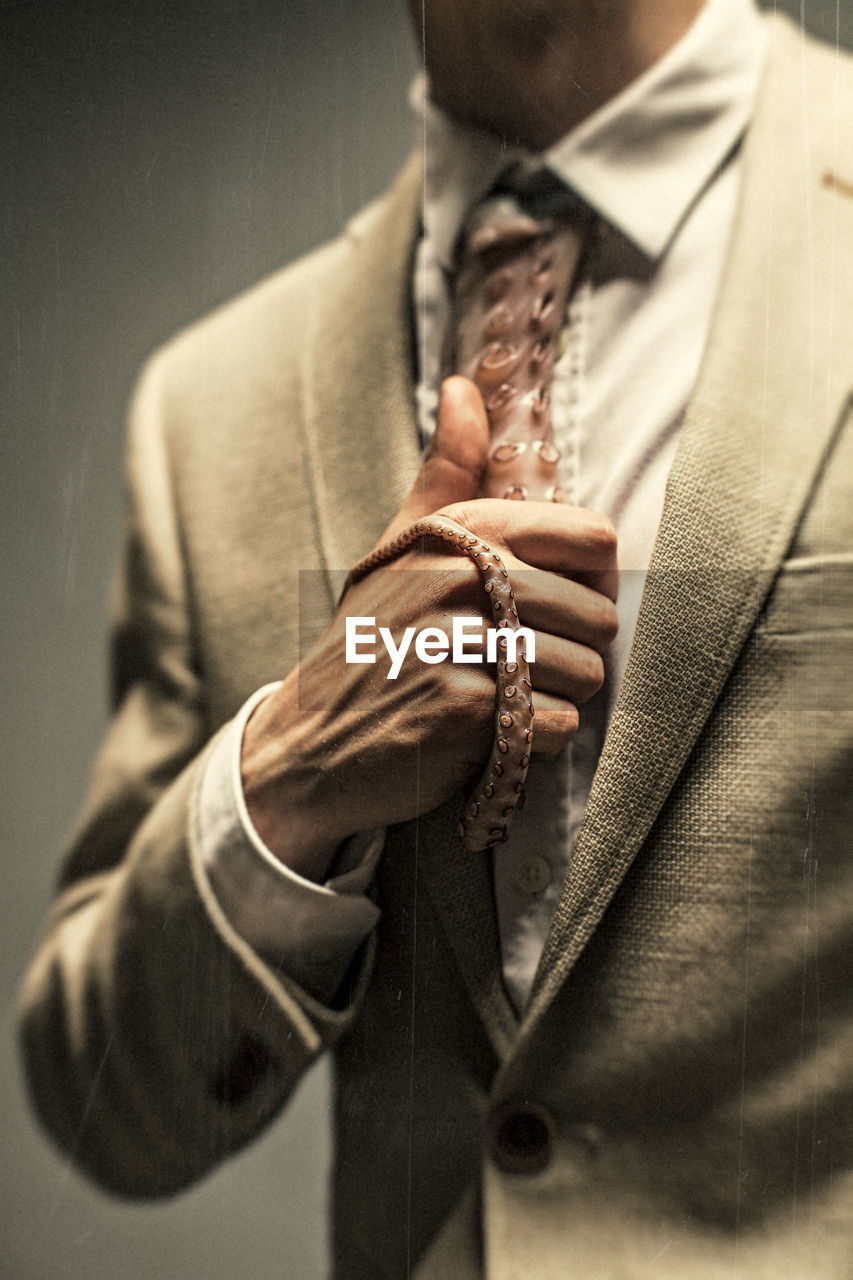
[156,1040]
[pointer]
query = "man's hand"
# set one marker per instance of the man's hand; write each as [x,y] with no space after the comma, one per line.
[339,748]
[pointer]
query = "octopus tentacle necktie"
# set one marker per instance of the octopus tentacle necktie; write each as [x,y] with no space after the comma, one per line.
[515,272]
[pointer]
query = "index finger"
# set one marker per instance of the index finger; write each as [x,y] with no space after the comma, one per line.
[547,535]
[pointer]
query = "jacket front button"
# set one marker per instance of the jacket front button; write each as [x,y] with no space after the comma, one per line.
[534,874]
[522,1138]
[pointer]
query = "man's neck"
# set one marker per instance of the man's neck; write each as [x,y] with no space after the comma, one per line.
[536,75]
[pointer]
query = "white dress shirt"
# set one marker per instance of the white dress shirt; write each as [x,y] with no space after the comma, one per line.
[659,165]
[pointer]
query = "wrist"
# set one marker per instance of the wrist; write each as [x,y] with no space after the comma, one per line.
[279,786]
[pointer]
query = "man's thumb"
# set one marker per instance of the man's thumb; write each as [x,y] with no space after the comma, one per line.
[454,462]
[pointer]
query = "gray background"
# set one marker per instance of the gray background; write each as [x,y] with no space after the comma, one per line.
[155,161]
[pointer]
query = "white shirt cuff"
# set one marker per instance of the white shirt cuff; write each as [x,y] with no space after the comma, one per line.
[311,931]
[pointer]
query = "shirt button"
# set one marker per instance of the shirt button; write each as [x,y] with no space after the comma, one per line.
[533,874]
[522,1138]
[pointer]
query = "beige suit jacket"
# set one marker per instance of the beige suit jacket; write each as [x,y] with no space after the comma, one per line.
[689,1044]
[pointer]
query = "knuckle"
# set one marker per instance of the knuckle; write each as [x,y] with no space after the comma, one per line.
[596,670]
[602,534]
[607,623]
[590,672]
[484,517]
[565,721]
[556,725]
[461,513]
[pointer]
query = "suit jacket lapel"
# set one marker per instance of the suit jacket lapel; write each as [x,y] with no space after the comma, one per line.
[768,397]
[361,434]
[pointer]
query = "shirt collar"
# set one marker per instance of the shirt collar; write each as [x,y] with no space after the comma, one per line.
[641,160]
